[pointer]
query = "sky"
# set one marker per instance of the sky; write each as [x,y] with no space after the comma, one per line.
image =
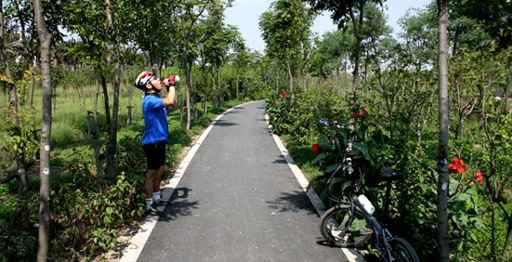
[245,15]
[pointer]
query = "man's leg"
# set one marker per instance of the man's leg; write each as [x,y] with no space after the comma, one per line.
[148,188]
[156,186]
[157,179]
[148,185]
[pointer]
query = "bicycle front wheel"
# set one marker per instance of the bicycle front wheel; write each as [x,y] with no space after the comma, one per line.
[342,228]
[402,251]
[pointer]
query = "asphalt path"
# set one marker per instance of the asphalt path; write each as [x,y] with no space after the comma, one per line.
[238,201]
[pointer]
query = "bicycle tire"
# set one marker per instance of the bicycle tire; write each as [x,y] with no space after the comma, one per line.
[402,251]
[354,235]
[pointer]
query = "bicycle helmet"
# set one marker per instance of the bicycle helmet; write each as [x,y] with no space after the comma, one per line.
[143,79]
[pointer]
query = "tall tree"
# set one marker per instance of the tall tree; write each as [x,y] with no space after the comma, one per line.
[495,16]
[241,60]
[13,106]
[45,38]
[186,36]
[217,42]
[97,23]
[284,29]
[342,13]
[112,28]
[419,33]
[444,128]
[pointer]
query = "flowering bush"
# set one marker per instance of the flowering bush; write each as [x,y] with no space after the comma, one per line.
[457,166]
[278,112]
[479,176]
[361,115]
[316,148]
[368,147]
[297,118]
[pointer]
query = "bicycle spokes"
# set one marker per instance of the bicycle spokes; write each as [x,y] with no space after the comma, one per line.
[345,230]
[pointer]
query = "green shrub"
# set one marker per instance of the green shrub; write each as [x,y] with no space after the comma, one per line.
[85,219]
[298,116]
[19,240]
[129,154]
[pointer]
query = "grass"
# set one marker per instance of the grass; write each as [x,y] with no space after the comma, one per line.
[302,156]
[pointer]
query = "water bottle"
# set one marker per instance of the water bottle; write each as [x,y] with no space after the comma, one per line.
[367,205]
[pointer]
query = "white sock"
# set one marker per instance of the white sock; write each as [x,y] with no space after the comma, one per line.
[156,196]
[149,201]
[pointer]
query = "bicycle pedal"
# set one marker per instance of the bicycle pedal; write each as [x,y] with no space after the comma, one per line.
[364,232]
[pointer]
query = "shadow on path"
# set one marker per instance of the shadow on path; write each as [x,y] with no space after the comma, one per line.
[225,123]
[179,208]
[295,201]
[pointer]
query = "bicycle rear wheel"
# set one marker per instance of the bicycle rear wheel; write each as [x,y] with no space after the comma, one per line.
[340,230]
[402,251]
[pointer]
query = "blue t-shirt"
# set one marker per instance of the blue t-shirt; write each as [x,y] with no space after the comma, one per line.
[155,119]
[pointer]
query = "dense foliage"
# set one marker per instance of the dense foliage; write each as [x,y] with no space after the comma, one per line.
[387,88]
[394,127]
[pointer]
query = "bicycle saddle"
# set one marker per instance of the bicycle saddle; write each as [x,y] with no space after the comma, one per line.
[390,174]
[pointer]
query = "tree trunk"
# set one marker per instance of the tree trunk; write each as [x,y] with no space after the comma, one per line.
[108,146]
[277,80]
[13,106]
[338,80]
[188,71]
[115,107]
[444,126]
[345,82]
[187,95]
[214,91]
[237,82]
[44,151]
[96,131]
[358,30]
[13,99]
[507,242]
[221,91]
[290,75]
[204,102]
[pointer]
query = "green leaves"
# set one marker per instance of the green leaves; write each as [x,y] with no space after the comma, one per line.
[284,28]
[19,139]
[318,158]
[87,219]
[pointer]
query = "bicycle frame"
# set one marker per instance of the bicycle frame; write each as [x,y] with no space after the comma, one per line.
[382,235]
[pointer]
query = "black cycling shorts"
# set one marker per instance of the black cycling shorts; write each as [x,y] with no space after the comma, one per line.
[155,155]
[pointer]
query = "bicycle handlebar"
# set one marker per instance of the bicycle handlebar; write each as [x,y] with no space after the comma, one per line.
[333,124]
[348,150]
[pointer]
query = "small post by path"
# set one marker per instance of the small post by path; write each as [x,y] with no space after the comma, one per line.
[89,124]
[129,119]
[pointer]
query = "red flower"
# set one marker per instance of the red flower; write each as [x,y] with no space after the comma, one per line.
[316,148]
[282,95]
[479,176]
[364,111]
[363,115]
[457,166]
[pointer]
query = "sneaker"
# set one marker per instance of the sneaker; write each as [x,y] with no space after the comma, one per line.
[152,210]
[160,202]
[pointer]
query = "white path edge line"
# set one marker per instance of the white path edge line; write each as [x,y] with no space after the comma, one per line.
[351,254]
[132,252]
